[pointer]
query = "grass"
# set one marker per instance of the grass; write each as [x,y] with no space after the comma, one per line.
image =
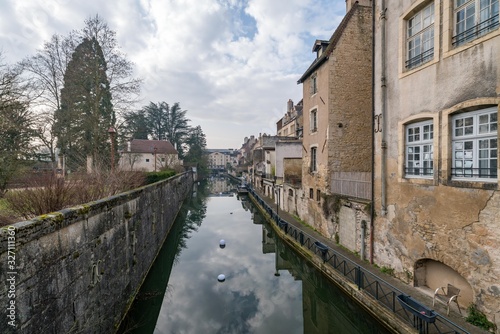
[7,216]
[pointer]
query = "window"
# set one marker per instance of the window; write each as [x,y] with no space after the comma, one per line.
[314,120]
[474,18]
[474,144]
[147,160]
[420,37]
[311,193]
[313,89]
[318,195]
[419,149]
[313,166]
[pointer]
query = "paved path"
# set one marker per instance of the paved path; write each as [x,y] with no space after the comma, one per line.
[420,294]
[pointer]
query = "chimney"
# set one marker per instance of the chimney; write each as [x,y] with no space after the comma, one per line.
[289,105]
[350,3]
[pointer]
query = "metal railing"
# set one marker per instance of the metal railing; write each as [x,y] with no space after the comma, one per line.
[380,290]
[478,30]
[489,173]
[420,59]
[419,171]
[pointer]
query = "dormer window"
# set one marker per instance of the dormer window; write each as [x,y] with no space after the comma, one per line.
[319,47]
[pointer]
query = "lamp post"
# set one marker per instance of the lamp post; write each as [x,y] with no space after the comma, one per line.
[112,133]
[277,196]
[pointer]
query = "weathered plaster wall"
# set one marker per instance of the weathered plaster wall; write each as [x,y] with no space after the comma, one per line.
[77,270]
[449,221]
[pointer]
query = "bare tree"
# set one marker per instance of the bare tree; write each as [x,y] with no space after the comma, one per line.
[15,124]
[46,71]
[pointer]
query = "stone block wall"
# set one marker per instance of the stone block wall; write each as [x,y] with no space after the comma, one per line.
[78,270]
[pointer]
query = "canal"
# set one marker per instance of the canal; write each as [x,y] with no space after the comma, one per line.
[267,287]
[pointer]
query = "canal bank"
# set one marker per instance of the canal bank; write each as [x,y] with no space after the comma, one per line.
[388,311]
[78,269]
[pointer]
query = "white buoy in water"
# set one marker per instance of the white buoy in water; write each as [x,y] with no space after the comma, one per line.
[221,278]
[222,243]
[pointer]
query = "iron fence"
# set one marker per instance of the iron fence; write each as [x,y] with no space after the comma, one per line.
[377,288]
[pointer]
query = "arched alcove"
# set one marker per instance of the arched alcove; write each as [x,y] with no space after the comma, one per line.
[434,274]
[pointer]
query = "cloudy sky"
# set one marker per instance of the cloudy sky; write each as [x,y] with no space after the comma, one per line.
[232,64]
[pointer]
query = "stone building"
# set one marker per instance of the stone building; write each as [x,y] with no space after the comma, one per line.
[436,96]
[221,159]
[290,125]
[264,164]
[337,140]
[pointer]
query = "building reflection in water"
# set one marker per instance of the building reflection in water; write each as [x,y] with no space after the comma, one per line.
[326,309]
[254,299]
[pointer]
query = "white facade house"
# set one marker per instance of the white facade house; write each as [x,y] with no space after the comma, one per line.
[148,155]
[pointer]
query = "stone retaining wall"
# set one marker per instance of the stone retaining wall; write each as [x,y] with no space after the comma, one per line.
[78,270]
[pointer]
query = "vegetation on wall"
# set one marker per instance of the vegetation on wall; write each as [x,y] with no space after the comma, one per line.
[477,318]
[331,204]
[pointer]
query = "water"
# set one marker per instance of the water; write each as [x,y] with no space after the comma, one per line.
[268,288]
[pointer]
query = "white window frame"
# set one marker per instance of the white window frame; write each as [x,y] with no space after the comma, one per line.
[475,145]
[420,37]
[313,167]
[313,120]
[473,19]
[419,150]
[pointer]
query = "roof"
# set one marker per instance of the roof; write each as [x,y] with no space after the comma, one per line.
[331,44]
[148,146]
[222,151]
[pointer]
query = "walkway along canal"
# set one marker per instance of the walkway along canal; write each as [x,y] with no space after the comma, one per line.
[392,303]
[268,287]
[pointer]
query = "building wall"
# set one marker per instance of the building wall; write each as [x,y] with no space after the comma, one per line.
[77,270]
[343,139]
[440,218]
[146,161]
[219,159]
[289,149]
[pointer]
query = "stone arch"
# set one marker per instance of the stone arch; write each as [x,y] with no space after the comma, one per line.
[434,274]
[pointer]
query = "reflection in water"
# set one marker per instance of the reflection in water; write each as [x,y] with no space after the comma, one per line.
[268,287]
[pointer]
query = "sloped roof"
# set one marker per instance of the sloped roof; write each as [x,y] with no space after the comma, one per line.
[331,44]
[148,146]
[222,151]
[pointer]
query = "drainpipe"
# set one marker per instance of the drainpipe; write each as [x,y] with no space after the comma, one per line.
[372,213]
[363,231]
[383,97]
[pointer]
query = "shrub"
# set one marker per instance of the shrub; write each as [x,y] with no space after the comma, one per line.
[153,177]
[52,193]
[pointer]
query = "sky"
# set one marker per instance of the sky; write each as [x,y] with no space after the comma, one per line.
[231,64]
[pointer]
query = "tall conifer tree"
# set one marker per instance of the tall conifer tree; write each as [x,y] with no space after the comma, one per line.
[86,111]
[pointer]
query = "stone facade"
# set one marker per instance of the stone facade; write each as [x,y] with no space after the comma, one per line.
[338,125]
[437,206]
[78,270]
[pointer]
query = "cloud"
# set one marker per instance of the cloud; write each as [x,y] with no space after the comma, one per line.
[232,64]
